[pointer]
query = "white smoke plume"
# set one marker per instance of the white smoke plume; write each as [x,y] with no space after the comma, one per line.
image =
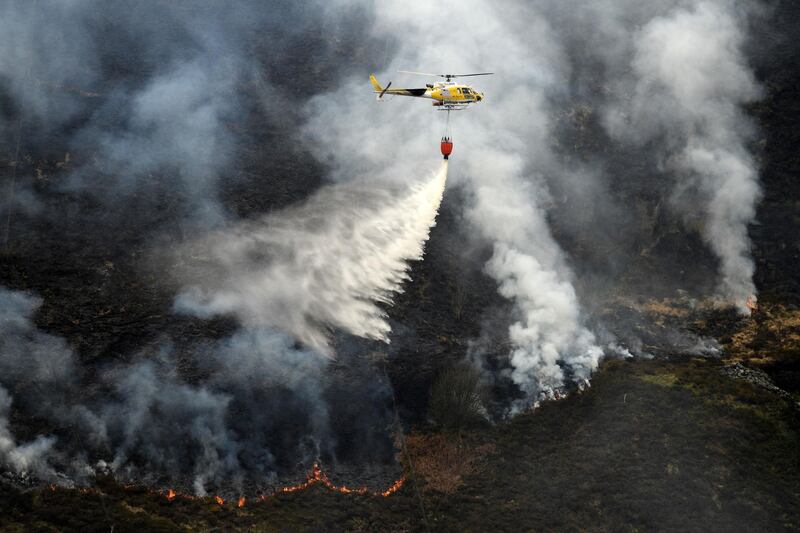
[328,263]
[690,81]
[31,361]
[22,458]
[549,331]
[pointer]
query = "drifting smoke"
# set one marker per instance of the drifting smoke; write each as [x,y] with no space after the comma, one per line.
[150,98]
[64,63]
[262,405]
[691,80]
[325,264]
[29,457]
[35,362]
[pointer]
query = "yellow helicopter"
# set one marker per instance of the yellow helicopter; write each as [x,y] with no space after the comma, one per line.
[447,95]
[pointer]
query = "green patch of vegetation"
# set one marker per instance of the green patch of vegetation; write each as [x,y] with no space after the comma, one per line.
[664,379]
[457,398]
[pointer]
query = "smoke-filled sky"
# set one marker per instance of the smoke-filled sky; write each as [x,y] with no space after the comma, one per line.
[239,152]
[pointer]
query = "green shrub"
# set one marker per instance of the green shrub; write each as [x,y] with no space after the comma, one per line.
[457,398]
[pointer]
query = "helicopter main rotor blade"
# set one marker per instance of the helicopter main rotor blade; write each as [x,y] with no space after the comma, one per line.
[420,73]
[446,76]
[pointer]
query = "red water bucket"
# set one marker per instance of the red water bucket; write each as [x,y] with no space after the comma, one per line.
[447,147]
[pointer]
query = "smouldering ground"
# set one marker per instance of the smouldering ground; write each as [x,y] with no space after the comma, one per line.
[652,445]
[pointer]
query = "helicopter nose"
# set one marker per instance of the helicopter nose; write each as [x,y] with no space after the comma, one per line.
[480,96]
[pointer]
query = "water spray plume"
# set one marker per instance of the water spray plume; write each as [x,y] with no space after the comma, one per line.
[327,263]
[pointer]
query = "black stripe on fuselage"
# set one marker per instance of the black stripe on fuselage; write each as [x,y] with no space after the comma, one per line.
[406,92]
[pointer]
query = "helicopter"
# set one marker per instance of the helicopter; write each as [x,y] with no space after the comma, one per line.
[447,95]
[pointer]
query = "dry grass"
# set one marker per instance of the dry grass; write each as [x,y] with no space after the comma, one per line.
[443,461]
[664,379]
[773,333]
[665,307]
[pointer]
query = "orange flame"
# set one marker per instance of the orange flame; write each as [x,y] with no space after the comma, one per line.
[751,305]
[317,476]
[314,477]
[397,485]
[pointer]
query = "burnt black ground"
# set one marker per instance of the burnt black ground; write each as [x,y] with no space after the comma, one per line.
[652,446]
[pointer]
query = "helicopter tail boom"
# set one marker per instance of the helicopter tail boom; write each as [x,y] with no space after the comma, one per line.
[400,92]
